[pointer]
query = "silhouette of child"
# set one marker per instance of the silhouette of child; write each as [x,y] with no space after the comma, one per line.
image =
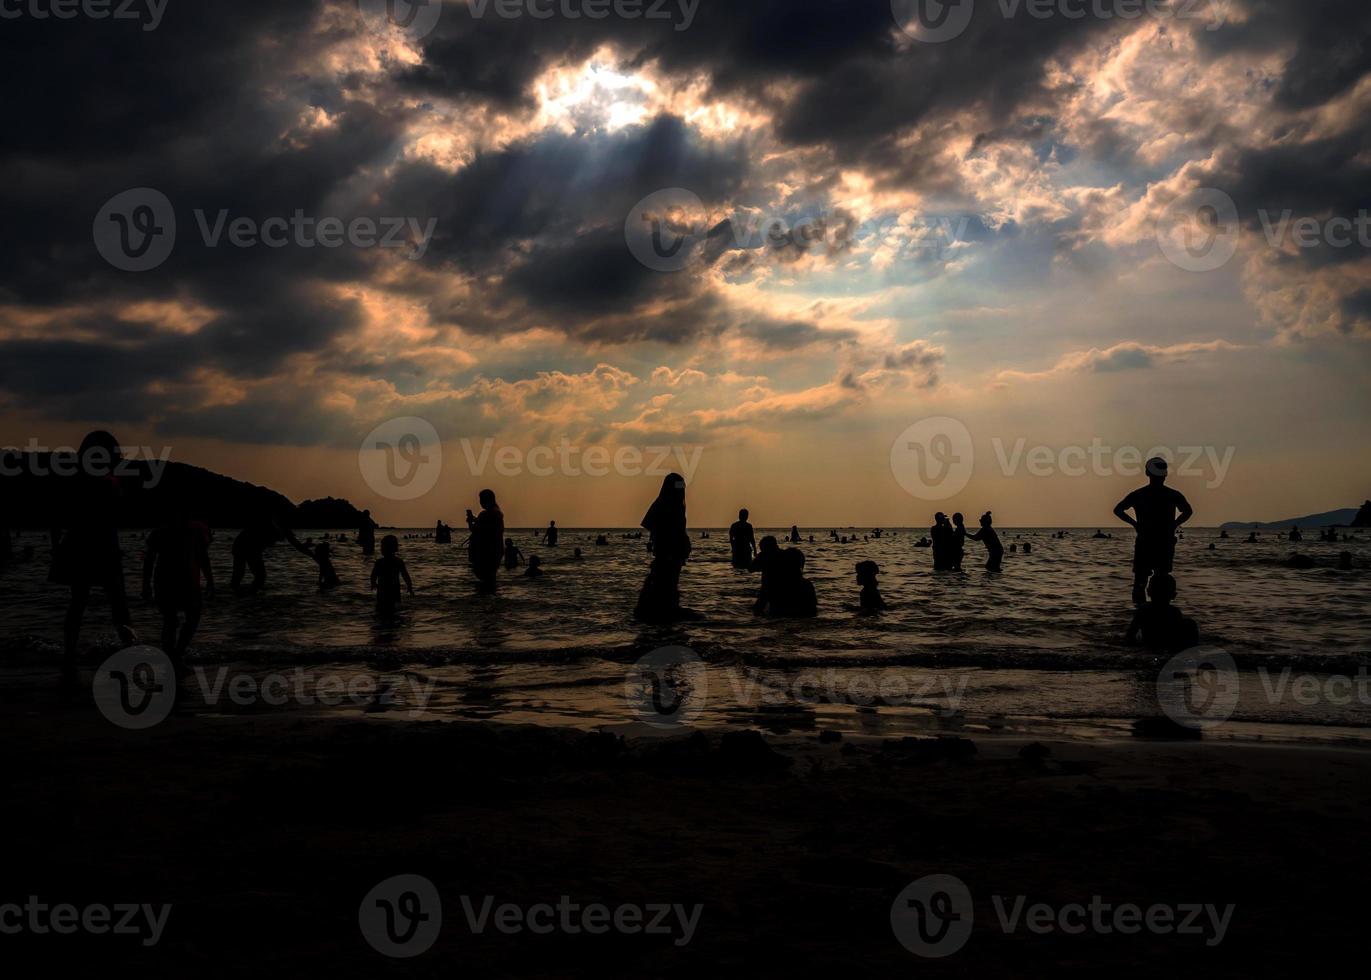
[1161,625]
[866,577]
[177,556]
[987,536]
[328,576]
[386,576]
[535,567]
[513,556]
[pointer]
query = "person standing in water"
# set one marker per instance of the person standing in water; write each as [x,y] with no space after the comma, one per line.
[794,534]
[386,575]
[366,533]
[958,546]
[550,535]
[88,554]
[665,521]
[177,557]
[941,535]
[987,536]
[485,547]
[742,541]
[1158,511]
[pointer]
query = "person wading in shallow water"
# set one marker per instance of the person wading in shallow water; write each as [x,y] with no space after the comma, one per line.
[486,547]
[742,541]
[665,521]
[1158,511]
[88,554]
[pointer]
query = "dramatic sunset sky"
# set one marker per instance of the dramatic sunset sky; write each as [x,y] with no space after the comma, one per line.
[1050,148]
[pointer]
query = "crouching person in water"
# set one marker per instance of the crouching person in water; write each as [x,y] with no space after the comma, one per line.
[1161,625]
[794,594]
[386,576]
[176,559]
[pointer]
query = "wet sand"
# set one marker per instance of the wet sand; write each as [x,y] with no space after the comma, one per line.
[265,831]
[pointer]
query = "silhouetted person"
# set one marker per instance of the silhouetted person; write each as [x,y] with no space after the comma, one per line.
[249,548]
[550,535]
[1251,538]
[794,534]
[1223,533]
[1295,534]
[486,545]
[794,594]
[88,554]
[442,534]
[535,567]
[768,562]
[958,545]
[741,541]
[323,557]
[871,600]
[366,533]
[1158,511]
[514,557]
[987,536]
[387,574]
[941,533]
[576,555]
[665,522]
[176,559]
[1161,625]
[601,541]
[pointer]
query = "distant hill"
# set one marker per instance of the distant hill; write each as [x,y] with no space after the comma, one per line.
[30,500]
[1346,517]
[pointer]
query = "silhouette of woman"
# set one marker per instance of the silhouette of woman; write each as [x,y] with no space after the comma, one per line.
[88,553]
[486,546]
[665,521]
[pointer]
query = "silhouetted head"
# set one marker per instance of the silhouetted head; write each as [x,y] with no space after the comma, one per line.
[99,453]
[742,514]
[551,523]
[986,519]
[794,560]
[534,561]
[1156,469]
[576,553]
[940,518]
[768,545]
[366,513]
[958,519]
[673,487]
[390,546]
[1162,588]
[487,499]
[509,542]
[867,572]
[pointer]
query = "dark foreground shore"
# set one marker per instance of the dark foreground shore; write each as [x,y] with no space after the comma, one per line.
[264,833]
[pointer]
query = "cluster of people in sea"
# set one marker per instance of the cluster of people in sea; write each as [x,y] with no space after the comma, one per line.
[178,574]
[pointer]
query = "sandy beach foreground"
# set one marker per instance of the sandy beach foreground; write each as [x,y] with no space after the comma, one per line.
[250,842]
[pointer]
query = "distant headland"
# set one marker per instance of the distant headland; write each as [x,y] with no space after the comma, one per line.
[1346,517]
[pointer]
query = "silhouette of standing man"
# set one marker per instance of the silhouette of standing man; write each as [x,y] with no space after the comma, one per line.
[1158,511]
